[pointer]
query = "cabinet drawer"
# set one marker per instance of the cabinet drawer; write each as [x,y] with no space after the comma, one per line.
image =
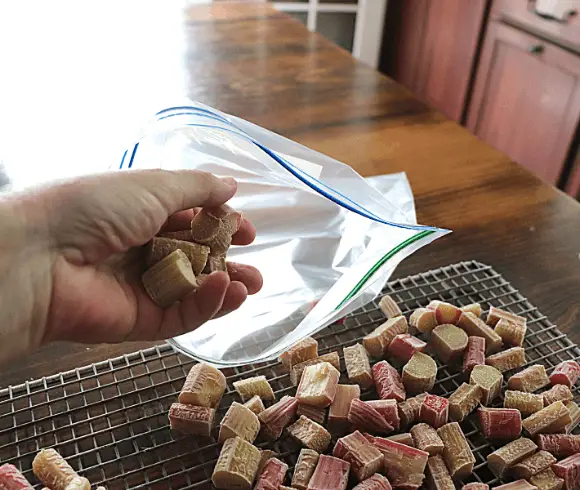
[564,29]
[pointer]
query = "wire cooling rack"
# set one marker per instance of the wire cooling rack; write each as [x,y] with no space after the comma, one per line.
[109,420]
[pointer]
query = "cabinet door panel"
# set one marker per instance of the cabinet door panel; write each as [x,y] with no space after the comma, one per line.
[526,100]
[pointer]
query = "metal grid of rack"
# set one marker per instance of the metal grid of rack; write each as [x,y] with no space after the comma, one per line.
[109,420]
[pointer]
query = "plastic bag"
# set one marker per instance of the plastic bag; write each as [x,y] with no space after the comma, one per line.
[327,240]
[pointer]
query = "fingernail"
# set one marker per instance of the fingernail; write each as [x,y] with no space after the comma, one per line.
[229,181]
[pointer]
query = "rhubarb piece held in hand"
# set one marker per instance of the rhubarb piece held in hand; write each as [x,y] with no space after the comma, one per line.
[377,342]
[547,480]
[388,382]
[389,307]
[508,359]
[419,373]
[316,414]
[423,320]
[358,367]
[445,313]
[330,474]
[403,438]
[304,350]
[272,475]
[497,314]
[364,458]
[574,411]
[298,369]
[375,482]
[389,411]
[159,248]
[502,459]
[191,419]
[318,385]
[426,439]
[257,385]
[557,393]
[255,404]
[12,479]
[363,416]
[309,434]
[404,346]
[438,477]
[530,379]
[435,410]
[410,410]
[204,386]
[533,464]
[566,373]
[476,327]
[463,401]
[237,465]
[526,403]
[473,308]
[551,419]
[516,485]
[500,423]
[449,342]
[489,379]
[456,453]
[560,445]
[569,470]
[511,333]
[474,354]
[307,461]
[340,406]
[239,421]
[404,466]
[276,417]
[55,473]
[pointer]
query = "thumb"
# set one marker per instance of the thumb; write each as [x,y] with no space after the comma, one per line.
[97,216]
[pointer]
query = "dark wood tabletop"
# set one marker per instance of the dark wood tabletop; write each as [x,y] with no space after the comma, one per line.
[262,65]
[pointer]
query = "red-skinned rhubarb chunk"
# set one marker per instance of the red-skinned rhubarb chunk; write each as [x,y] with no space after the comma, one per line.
[330,474]
[389,410]
[569,470]
[388,382]
[316,414]
[364,458]
[375,482]
[389,307]
[318,385]
[426,439]
[377,342]
[435,410]
[560,445]
[529,380]
[272,476]
[403,465]
[438,477]
[404,346]
[363,416]
[566,373]
[516,485]
[338,413]
[496,314]
[475,486]
[275,418]
[456,453]
[474,354]
[445,312]
[12,479]
[500,423]
[557,393]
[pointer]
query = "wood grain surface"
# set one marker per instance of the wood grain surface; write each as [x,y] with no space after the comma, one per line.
[264,66]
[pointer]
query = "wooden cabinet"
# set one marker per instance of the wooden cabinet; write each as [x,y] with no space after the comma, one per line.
[526,99]
[431,47]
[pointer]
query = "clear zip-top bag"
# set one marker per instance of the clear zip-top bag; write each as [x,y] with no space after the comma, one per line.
[327,242]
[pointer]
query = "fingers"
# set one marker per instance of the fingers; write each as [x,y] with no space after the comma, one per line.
[249,276]
[246,234]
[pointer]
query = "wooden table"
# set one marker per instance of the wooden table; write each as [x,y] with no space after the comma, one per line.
[264,66]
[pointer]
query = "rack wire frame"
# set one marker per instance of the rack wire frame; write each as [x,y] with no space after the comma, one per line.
[109,419]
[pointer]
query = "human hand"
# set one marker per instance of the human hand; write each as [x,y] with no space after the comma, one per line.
[71,260]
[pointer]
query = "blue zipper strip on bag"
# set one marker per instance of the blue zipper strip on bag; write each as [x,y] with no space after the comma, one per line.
[304,177]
